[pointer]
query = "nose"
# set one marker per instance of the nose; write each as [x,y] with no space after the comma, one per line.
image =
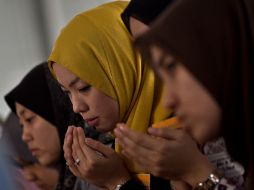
[26,134]
[169,98]
[78,104]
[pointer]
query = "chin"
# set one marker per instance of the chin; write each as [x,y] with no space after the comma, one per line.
[103,129]
[45,161]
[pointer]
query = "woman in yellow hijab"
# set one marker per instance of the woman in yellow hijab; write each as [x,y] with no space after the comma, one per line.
[94,62]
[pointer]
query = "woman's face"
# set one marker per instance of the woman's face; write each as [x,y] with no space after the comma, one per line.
[96,108]
[196,109]
[40,136]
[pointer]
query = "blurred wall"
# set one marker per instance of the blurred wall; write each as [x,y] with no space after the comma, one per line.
[27,31]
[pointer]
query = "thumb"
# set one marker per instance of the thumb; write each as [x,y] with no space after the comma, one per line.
[99,147]
[29,175]
[166,133]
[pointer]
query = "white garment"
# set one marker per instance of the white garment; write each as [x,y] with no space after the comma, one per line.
[217,153]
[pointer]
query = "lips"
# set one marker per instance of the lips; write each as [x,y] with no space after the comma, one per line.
[35,151]
[92,121]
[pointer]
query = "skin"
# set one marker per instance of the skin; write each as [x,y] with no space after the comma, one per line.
[199,133]
[189,99]
[137,27]
[88,101]
[35,131]
[97,161]
[175,155]
[44,177]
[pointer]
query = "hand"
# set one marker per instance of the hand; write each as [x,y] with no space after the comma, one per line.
[173,155]
[67,147]
[44,177]
[98,162]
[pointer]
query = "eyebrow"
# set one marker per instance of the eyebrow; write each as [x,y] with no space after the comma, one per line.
[22,112]
[74,81]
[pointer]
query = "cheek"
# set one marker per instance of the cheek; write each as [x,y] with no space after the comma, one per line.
[109,111]
[53,148]
[213,116]
[37,133]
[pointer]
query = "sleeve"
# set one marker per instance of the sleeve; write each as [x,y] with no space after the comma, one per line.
[225,185]
[133,184]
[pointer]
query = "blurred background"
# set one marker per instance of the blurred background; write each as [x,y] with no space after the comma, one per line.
[28,29]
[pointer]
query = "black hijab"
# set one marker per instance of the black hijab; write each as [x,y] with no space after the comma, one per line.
[40,92]
[33,93]
[144,10]
[214,40]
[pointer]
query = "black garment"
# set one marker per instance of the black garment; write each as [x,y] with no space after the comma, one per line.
[133,184]
[156,184]
[144,10]
[33,93]
[40,92]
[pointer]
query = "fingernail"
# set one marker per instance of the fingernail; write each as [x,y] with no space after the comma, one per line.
[151,130]
[117,131]
[121,127]
[88,141]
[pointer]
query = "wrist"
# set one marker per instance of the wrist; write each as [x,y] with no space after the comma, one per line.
[211,181]
[200,171]
[116,185]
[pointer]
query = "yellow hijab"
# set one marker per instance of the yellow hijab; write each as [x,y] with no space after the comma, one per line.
[96,46]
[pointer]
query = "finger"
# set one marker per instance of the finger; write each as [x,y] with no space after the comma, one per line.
[68,150]
[28,174]
[68,138]
[77,156]
[138,146]
[75,171]
[88,152]
[76,147]
[167,133]
[140,155]
[141,162]
[128,137]
[69,130]
[99,147]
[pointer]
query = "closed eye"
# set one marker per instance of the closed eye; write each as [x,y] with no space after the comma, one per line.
[85,89]
[169,63]
[171,66]
[29,119]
